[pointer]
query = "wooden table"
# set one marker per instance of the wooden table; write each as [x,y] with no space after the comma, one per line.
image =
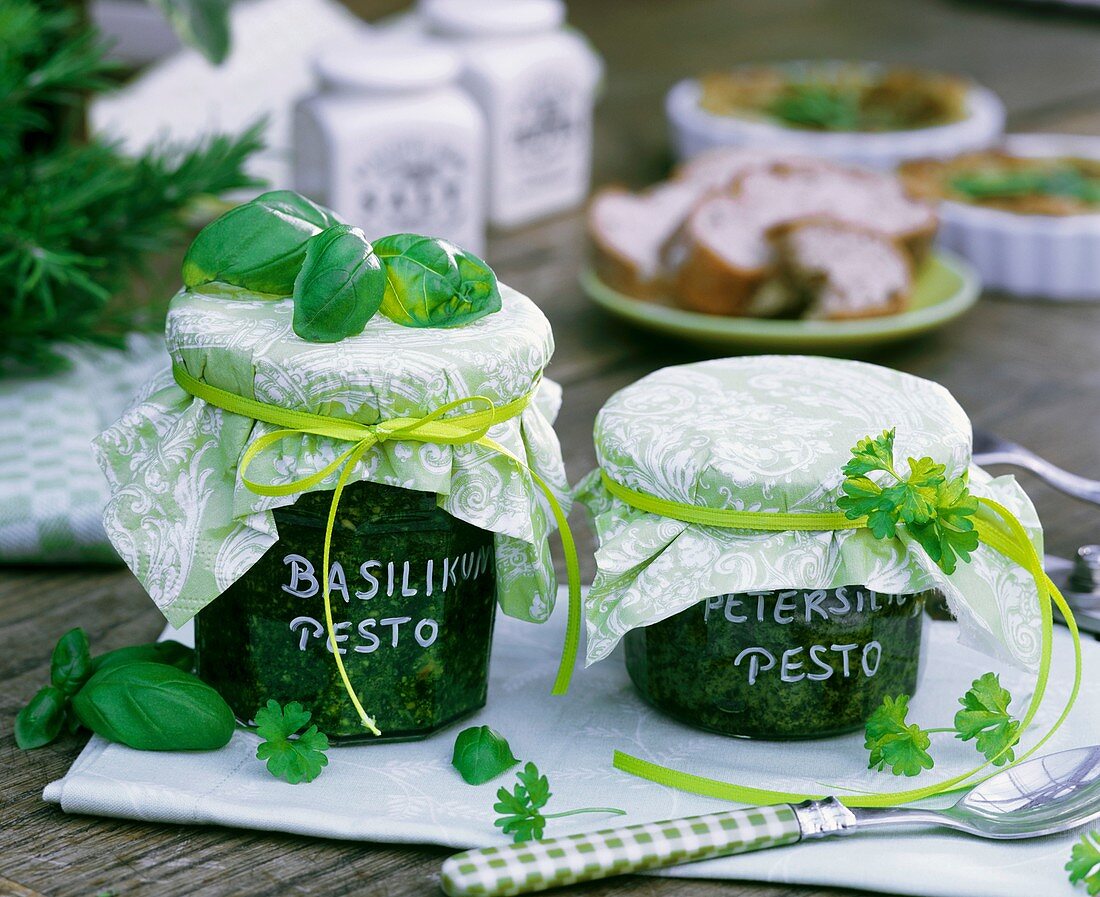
[1028,371]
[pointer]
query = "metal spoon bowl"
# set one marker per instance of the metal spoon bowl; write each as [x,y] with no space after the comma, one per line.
[1041,796]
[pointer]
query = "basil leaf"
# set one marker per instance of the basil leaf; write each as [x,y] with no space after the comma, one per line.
[433,283]
[339,287]
[481,754]
[172,653]
[259,245]
[154,707]
[40,722]
[71,663]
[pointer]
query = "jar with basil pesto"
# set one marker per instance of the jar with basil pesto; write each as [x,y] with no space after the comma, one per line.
[749,602]
[348,466]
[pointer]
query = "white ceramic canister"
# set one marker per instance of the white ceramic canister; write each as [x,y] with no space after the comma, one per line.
[536,81]
[392,144]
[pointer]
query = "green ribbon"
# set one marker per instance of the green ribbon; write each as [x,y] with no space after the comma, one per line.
[998,529]
[441,427]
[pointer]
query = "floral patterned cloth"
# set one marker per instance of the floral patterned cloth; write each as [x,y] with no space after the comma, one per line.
[187,526]
[772,434]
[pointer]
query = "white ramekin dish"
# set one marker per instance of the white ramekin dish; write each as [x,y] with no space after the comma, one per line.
[1046,256]
[695,130]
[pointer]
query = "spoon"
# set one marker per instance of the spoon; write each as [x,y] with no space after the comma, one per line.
[1041,796]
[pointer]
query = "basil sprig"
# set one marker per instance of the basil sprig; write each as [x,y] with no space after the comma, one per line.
[281,244]
[143,696]
[433,283]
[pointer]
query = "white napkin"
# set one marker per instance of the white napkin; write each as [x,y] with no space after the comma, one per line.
[408,793]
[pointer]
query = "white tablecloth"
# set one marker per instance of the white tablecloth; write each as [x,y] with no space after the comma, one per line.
[409,793]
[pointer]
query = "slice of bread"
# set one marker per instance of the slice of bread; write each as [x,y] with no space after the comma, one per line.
[840,272]
[630,233]
[725,248]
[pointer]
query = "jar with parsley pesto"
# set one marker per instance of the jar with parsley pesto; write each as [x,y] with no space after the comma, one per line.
[434,431]
[748,602]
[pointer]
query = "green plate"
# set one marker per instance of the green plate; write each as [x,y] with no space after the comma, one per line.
[945,288]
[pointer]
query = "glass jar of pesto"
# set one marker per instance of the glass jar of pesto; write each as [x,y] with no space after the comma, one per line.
[793,663]
[750,604]
[441,441]
[414,596]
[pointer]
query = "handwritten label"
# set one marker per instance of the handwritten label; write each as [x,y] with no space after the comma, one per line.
[377,580]
[824,611]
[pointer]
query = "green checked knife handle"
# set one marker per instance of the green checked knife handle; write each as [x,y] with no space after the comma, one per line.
[538,865]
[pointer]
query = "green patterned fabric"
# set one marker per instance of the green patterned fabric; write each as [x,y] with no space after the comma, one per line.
[52,493]
[188,527]
[555,862]
[772,433]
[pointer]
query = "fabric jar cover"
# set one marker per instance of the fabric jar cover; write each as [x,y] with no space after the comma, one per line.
[772,434]
[188,527]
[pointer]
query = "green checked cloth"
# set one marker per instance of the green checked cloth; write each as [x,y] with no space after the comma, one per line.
[52,492]
[552,863]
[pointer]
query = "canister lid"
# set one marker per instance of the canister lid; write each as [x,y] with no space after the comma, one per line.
[490,18]
[770,432]
[390,65]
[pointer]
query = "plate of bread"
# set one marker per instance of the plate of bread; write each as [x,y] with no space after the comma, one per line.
[754,249]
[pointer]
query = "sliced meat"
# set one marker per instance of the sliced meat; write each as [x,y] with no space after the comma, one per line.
[630,232]
[839,271]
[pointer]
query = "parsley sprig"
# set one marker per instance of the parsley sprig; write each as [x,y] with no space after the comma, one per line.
[903,746]
[934,510]
[290,756]
[521,809]
[1084,863]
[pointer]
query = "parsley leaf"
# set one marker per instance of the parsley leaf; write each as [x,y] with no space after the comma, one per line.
[521,808]
[872,454]
[294,759]
[934,510]
[985,717]
[893,742]
[1084,863]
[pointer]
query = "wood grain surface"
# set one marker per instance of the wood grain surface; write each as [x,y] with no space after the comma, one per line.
[1029,371]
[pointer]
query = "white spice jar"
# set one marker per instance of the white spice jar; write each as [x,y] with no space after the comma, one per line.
[392,144]
[536,83]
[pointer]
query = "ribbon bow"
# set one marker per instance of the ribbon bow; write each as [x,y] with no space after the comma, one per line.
[436,428]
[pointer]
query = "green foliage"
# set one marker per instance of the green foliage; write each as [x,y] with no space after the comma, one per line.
[339,287]
[903,746]
[204,24]
[935,511]
[78,219]
[895,743]
[1067,182]
[258,245]
[292,757]
[823,107]
[1084,863]
[432,283]
[985,717]
[154,707]
[519,808]
[481,754]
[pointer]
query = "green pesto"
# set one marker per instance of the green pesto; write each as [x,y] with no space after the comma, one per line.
[772,664]
[263,638]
